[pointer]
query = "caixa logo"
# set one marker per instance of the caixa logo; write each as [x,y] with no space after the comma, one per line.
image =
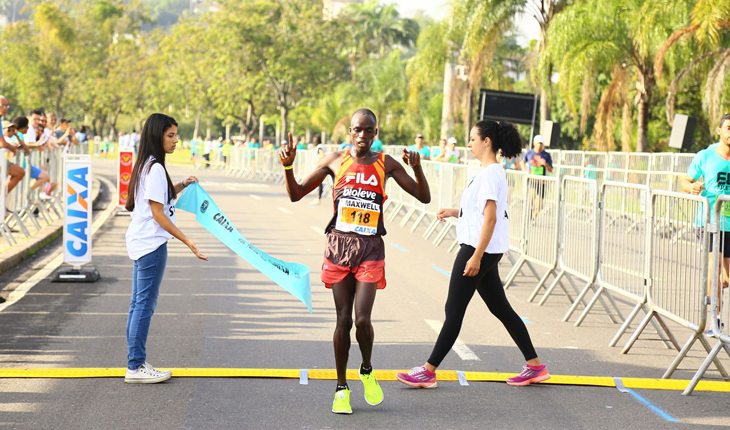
[204,206]
[77,212]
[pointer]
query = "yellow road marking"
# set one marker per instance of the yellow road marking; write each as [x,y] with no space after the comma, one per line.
[383,375]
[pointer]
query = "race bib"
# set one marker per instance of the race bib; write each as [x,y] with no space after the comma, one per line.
[358,216]
[537,170]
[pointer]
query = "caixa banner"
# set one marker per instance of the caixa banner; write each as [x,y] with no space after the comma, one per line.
[77,180]
[124,174]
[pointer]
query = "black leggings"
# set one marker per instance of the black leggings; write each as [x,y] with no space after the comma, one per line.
[489,286]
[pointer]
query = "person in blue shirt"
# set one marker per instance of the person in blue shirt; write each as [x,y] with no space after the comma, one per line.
[538,160]
[253,143]
[421,147]
[377,145]
[709,176]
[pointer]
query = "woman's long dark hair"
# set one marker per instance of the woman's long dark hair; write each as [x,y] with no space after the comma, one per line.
[504,135]
[150,145]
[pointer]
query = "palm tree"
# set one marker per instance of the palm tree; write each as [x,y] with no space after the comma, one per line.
[376,29]
[599,37]
[543,12]
[477,27]
[708,34]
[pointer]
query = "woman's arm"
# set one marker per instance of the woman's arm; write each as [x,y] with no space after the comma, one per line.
[158,213]
[490,220]
[184,183]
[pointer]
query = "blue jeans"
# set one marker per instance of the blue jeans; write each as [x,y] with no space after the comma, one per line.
[146,280]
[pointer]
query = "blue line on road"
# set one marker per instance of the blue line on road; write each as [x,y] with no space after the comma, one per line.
[441,271]
[649,405]
[400,248]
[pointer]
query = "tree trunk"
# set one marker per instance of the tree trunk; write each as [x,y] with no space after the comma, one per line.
[196,130]
[469,115]
[626,127]
[447,123]
[284,118]
[643,117]
[646,88]
[261,131]
[544,105]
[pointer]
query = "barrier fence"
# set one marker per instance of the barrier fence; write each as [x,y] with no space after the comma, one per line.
[719,315]
[31,204]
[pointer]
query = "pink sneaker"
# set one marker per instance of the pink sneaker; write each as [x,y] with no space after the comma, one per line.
[418,377]
[530,375]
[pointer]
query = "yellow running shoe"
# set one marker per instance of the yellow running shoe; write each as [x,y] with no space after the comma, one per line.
[371,389]
[341,403]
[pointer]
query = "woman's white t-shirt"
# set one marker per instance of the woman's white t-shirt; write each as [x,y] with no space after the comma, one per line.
[144,234]
[490,183]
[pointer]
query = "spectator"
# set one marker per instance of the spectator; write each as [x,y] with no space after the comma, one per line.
[538,160]
[300,142]
[539,163]
[439,153]
[82,135]
[134,140]
[34,127]
[207,147]
[421,147]
[707,176]
[452,154]
[377,144]
[66,135]
[41,176]
[345,145]
[253,143]
[12,143]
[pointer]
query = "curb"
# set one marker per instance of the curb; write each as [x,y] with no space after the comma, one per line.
[26,249]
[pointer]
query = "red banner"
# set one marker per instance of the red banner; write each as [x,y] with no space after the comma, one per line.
[124,174]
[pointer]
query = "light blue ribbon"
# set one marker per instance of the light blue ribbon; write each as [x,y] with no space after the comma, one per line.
[293,277]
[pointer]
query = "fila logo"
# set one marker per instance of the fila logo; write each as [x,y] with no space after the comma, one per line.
[360,179]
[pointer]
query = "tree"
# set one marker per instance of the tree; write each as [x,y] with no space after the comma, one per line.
[290,44]
[603,37]
[543,12]
[374,29]
[709,41]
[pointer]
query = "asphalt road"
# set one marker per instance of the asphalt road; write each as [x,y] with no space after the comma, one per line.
[224,314]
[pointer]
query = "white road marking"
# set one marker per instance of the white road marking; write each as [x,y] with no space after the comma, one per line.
[317,230]
[285,210]
[255,197]
[460,348]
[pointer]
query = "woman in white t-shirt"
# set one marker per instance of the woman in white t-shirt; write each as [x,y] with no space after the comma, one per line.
[152,203]
[482,230]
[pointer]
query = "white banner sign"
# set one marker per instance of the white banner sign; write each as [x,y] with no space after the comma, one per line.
[77,180]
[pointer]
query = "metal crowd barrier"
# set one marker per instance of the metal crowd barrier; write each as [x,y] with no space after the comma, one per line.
[579,239]
[624,242]
[27,205]
[678,267]
[540,220]
[719,327]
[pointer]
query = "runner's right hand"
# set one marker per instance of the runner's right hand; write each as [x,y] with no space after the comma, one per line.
[288,152]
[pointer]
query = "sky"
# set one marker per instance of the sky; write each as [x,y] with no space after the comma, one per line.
[527,28]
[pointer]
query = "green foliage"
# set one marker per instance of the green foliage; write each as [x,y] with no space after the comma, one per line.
[623,67]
